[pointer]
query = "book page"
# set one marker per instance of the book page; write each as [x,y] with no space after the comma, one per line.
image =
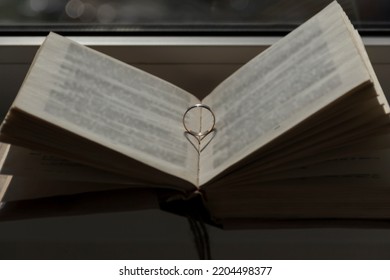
[352,169]
[360,45]
[5,181]
[357,186]
[110,103]
[35,165]
[29,174]
[307,70]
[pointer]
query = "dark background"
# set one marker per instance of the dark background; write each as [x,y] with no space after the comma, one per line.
[180,16]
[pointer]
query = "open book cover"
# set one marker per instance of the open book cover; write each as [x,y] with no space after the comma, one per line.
[301,132]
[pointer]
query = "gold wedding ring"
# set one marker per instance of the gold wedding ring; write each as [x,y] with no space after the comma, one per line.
[200,134]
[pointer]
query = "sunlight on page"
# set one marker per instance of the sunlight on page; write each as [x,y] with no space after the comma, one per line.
[111,103]
[308,69]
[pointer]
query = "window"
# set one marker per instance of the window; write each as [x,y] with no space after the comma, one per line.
[180,16]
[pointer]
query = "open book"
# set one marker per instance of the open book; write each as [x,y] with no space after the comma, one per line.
[290,126]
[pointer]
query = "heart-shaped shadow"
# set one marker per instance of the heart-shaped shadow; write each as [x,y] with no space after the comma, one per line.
[200,143]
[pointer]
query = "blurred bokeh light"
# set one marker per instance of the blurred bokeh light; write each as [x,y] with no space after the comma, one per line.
[182,15]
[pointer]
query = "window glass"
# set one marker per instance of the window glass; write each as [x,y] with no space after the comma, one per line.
[180,16]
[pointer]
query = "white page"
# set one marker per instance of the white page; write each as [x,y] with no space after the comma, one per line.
[308,69]
[373,165]
[22,162]
[111,103]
